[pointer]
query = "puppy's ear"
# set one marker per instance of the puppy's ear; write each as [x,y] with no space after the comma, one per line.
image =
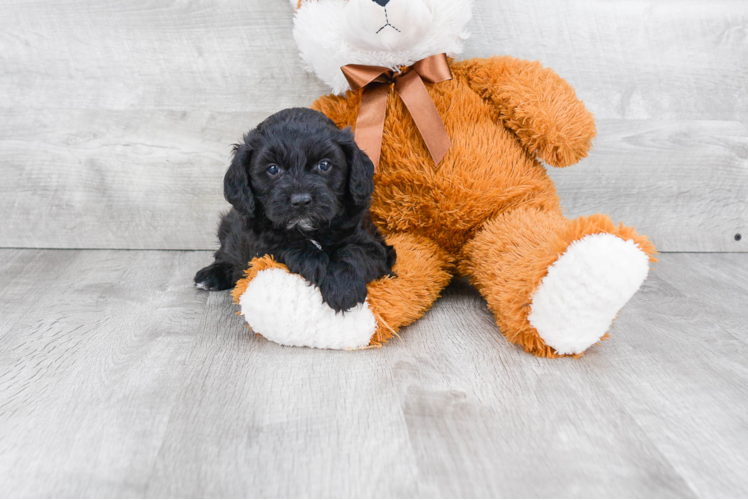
[236,184]
[360,169]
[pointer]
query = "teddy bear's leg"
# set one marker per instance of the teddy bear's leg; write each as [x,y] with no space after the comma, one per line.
[422,271]
[283,308]
[555,285]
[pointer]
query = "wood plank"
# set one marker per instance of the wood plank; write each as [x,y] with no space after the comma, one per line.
[685,184]
[255,419]
[726,273]
[150,180]
[93,350]
[691,366]
[94,359]
[116,179]
[118,116]
[682,59]
[118,378]
[659,410]
[237,55]
[647,59]
[488,420]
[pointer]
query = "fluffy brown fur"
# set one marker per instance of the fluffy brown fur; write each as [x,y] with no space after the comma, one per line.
[489,209]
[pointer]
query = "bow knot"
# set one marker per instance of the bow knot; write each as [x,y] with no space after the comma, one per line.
[376,82]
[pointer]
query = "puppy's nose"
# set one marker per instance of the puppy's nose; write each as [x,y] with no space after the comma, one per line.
[383,3]
[300,200]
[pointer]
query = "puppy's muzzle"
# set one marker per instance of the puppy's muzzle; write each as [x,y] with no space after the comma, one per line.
[301,200]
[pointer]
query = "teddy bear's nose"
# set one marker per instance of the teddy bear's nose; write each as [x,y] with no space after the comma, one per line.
[383,3]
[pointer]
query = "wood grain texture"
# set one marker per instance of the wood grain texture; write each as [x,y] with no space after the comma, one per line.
[116,179]
[632,59]
[118,378]
[93,351]
[235,55]
[125,179]
[683,59]
[685,184]
[117,118]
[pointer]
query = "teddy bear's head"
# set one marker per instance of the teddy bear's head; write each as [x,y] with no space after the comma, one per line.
[390,33]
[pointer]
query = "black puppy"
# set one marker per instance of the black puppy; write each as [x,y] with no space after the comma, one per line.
[301,188]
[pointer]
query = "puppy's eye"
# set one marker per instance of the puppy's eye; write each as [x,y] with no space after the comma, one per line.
[273,170]
[324,166]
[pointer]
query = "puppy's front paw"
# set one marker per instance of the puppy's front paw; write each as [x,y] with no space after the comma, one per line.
[313,267]
[343,291]
[216,276]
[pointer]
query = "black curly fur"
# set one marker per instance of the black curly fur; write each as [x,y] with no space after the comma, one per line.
[264,222]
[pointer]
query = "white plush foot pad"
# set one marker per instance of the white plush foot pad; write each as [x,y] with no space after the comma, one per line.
[585,289]
[285,309]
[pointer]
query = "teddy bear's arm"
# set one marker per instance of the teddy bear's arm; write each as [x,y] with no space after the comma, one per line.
[537,104]
[343,110]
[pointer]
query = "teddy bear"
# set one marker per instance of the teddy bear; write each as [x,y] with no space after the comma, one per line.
[460,149]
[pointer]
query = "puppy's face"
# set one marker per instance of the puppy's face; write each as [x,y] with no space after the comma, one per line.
[300,180]
[299,171]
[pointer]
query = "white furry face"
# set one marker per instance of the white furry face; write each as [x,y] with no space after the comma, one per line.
[389,33]
[385,24]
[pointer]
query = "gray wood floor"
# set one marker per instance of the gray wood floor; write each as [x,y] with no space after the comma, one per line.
[118,378]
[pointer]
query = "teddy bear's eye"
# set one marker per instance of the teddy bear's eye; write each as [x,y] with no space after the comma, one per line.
[273,170]
[324,166]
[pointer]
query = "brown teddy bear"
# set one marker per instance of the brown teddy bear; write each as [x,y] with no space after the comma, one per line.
[459,186]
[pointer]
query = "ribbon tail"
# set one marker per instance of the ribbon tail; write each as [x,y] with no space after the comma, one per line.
[416,97]
[370,121]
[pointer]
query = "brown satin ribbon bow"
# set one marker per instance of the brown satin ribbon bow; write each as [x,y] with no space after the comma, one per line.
[376,82]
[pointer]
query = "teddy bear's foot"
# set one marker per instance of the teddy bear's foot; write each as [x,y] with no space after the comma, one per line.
[284,308]
[553,284]
[584,290]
